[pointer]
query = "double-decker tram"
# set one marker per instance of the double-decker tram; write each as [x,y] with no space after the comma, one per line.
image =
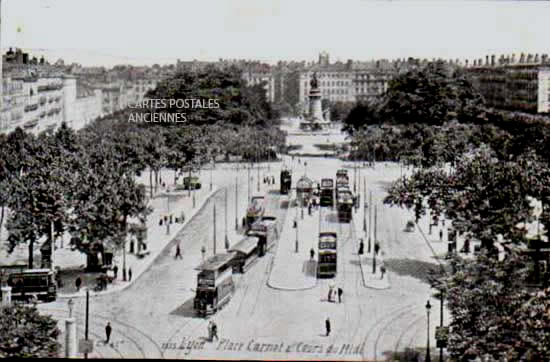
[214,284]
[344,203]
[327,192]
[286,181]
[327,256]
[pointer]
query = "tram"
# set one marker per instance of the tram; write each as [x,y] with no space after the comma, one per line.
[267,232]
[344,203]
[255,210]
[327,192]
[246,253]
[33,283]
[286,181]
[215,284]
[327,255]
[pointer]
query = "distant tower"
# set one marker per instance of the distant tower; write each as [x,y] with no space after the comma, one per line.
[324,59]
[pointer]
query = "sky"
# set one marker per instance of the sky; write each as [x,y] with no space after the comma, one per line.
[108,32]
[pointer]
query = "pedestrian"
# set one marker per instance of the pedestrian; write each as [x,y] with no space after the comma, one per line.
[115,271]
[382,271]
[330,293]
[214,331]
[178,252]
[210,331]
[376,248]
[130,274]
[160,221]
[440,234]
[327,326]
[312,253]
[78,283]
[273,180]
[361,247]
[340,292]
[108,331]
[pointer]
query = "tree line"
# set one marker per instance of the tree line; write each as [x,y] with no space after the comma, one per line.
[481,169]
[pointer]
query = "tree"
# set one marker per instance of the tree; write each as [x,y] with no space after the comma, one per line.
[493,312]
[25,333]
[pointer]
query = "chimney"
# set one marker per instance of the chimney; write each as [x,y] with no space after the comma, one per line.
[513,61]
[501,60]
[475,63]
[486,60]
[530,58]
[492,60]
[544,58]
[466,65]
[522,58]
[537,58]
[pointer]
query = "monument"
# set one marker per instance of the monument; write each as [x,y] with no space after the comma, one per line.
[314,120]
[315,109]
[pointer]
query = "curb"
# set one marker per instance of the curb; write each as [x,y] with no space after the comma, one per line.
[362,271]
[268,283]
[151,260]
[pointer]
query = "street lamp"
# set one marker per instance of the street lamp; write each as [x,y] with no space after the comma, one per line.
[428,307]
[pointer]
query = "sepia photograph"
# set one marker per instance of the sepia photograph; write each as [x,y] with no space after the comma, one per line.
[275,180]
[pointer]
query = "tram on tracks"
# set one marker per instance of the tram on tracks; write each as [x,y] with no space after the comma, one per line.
[344,203]
[30,284]
[215,284]
[327,255]
[255,210]
[267,232]
[327,192]
[286,181]
[245,254]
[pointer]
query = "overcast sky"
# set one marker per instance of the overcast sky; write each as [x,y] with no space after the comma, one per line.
[107,32]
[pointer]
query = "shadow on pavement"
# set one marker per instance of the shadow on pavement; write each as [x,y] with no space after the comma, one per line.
[186,310]
[409,267]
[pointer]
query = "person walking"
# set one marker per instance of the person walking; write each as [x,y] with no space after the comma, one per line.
[130,274]
[382,271]
[330,293]
[210,331]
[108,331]
[340,292]
[78,283]
[115,271]
[178,252]
[214,331]
[361,247]
[312,253]
[327,326]
[440,234]
[376,248]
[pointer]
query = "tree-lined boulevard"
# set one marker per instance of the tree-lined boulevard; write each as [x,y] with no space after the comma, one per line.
[449,194]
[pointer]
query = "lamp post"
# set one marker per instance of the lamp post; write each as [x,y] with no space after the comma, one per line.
[236,202]
[428,307]
[226,240]
[211,171]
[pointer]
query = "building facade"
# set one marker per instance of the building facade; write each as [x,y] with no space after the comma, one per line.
[515,84]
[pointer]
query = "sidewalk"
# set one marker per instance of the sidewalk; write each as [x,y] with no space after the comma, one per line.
[290,270]
[370,280]
[157,238]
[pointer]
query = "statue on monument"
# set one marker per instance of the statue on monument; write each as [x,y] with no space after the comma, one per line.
[314,82]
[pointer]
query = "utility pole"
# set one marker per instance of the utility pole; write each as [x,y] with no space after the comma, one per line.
[364,205]
[441,322]
[370,219]
[52,257]
[226,240]
[214,227]
[236,202]
[374,249]
[87,315]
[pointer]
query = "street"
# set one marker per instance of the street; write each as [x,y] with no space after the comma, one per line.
[154,317]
